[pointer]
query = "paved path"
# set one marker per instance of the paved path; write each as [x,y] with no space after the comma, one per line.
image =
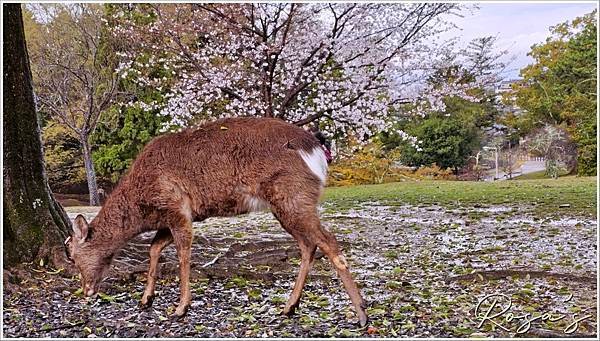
[526,168]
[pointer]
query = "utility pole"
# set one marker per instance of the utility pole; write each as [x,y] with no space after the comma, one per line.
[496,157]
[496,152]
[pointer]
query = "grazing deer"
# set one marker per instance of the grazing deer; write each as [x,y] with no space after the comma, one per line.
[228,167]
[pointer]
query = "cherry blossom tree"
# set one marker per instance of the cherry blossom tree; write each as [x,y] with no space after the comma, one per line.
[468,73]
[346,66]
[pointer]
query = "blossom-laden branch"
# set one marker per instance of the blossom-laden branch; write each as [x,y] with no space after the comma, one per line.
[298,62]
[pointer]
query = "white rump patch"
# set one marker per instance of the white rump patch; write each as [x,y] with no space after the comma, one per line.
[254,204]
[317,162]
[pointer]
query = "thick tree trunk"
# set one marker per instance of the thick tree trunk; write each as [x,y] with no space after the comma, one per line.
[35,225]
[89,171]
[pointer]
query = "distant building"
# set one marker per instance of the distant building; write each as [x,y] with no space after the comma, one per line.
[501,91]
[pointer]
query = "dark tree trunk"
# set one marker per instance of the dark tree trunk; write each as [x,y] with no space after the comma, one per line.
[89,171]
[35,225]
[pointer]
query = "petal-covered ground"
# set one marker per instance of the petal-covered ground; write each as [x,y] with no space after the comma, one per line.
[426,267]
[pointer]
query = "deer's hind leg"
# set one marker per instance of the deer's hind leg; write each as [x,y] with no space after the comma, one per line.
[296,209]
[162,239]
[328,244]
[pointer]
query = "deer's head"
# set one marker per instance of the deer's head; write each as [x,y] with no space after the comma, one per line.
[91,260]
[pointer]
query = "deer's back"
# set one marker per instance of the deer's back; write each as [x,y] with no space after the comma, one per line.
[221,168]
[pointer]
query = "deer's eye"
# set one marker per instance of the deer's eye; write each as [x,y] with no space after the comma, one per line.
[68,253]
[68,250]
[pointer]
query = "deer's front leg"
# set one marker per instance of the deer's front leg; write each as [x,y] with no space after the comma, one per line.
[161,240]
[182,237]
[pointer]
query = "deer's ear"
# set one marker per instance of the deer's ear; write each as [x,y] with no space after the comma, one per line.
[80,228]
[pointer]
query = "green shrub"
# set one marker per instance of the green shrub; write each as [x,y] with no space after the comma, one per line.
[587,160]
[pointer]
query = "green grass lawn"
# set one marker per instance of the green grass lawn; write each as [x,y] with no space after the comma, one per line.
[536,176]
[542,196]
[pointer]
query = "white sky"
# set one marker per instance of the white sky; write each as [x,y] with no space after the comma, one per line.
[518,25]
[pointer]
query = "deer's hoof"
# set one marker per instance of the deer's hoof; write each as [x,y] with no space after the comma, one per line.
[146,302]
[289,310]
[180,312]
[363,320]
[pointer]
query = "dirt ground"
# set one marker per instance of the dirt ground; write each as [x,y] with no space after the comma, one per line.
[425,271]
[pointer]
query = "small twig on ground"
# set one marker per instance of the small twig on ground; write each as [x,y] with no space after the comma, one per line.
[212,261]
[499,274]
[64,326]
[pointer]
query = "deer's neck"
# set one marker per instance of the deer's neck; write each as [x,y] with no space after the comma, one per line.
[116,223]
